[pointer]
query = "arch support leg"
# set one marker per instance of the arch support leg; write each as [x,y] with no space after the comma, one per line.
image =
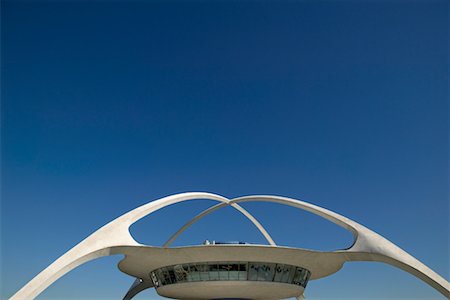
[138,286]
[104,242]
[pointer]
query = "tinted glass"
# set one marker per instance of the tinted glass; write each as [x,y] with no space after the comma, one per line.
[224,271]
[266,272]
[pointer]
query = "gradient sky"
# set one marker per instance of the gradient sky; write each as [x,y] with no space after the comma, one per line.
[107,105]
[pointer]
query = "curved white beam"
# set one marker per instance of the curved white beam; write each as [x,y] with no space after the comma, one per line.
[192,221]
[102,243]
[255,222]
[138,286]
[214,208]
[368,245]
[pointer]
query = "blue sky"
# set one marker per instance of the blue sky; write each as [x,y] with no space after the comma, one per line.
[107,105]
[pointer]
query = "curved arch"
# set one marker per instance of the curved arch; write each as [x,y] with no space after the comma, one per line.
[368,245]
[102,242]
[138,286]
[214,208]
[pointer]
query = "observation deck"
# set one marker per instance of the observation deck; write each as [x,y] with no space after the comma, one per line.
[230,279]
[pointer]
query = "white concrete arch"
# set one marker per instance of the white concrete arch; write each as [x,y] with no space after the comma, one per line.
[214,208]
[114,238]
[368,245]
[104,242]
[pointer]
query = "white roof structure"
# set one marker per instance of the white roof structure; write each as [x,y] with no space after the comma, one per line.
[214,271]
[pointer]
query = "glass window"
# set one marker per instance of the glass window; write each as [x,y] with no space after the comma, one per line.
[233,273]
[266,272]
[194,274]
[186,269]
[160,276]
[298,276]
[282,273]
[172,276]
[291,274]
[204,272]
[166,276]
[180,273]
[154,279]
[213,272]
[304,275]
[224,269]
[308,274]
[278,273]
[242,271]
[253,269]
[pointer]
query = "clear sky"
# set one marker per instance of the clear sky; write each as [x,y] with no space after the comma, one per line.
[107,105]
